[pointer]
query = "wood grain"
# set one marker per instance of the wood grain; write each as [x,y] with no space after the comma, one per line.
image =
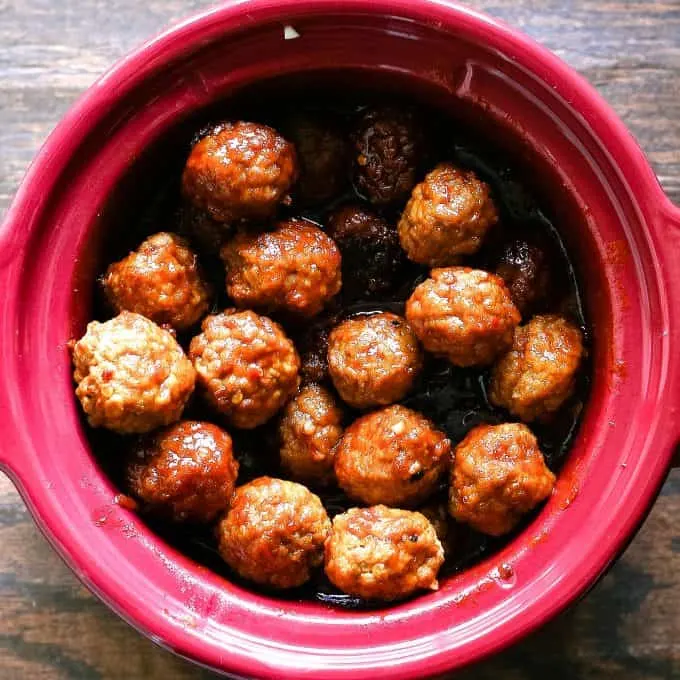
[627,627]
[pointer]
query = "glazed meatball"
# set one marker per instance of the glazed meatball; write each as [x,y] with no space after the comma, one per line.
[372,259]
[309,431]
[240,171]
[393,456]
[373,360]
[447,216]
[274,533]
[160,280]
[185,472]
[295,268]
[246,366]
[382,553]
[388,151]
[132,375]
[463,314]
[498,475]
[538,374]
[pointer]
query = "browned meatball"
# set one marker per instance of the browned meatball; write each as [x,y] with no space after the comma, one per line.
[393,456]
[186,471]
[240,171]
[246,366]
[373,360]
[388,151]
[381,553]
[310,429]
[295,268]
[538,374]
[274,532]
[160,280]
[463,314]
[498,475]
[447,215]
[313,347]
[372,258]
[206,233]
[132,375]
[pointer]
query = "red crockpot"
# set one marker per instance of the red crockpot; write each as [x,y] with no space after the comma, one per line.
[623,233]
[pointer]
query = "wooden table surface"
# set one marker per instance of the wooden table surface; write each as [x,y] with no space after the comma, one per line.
[52,628]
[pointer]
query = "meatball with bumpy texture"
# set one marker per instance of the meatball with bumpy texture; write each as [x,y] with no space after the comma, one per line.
[393,456]
[447,216]
[240,171]
[186,471]
[274,533]
[498,475]
[373,360]
[382,553]
[538,374]
[132,376]
[372,258]
[295,268]
[246,365]
[309,431]
[161,280]
[388,152]
[463,314]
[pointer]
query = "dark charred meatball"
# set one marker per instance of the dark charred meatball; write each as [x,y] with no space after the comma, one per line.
[388,153]
[381,553]
[309,431]
[538,374]
[185,472]
[463,314]
[295,268]
[160,280]
[447,216]
[274,533]
[313,348]
[373,360]
[498,475]
[240,171]
[246,366]
[132,375]
[372,258]
[206,233]
[393,456]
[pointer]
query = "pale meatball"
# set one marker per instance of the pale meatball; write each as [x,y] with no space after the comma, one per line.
[132,375]
[246,365]
[538,374]
[382,553]
[393,456]
[463,314]
[373,360]
[498,475]
[274,533]
[309,431]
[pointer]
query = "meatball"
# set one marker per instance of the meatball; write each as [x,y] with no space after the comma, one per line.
[160,280]
[240,171]
[393,456]
[388,153]
[246,366]
[313,347]
[186,471]
[274,532]
[373,360]
[310,428]
[438,515]
[295,268]
[463,314]
[447,215]
[382,553]
[498,475]
[372,259]
[206,233]
[132,375]
[538,374]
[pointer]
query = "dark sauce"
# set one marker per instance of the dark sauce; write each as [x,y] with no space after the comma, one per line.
[455,399]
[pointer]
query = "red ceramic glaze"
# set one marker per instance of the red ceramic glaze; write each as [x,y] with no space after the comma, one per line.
[625,237]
